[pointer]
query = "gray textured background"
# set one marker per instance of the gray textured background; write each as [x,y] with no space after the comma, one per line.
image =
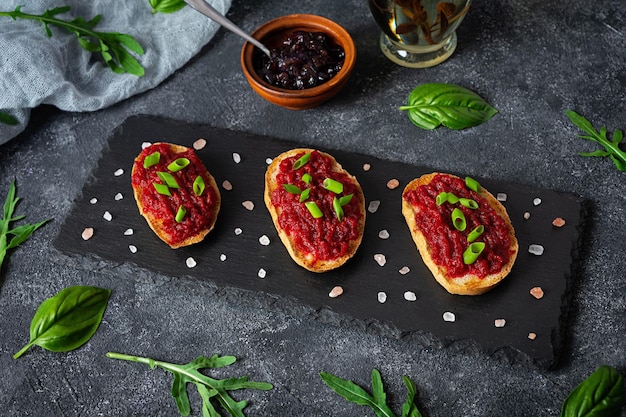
[532,60]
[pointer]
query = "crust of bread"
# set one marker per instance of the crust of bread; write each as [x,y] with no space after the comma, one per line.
[468,284]
[156,223]
[308,260]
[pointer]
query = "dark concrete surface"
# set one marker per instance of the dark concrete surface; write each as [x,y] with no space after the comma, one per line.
[532,60]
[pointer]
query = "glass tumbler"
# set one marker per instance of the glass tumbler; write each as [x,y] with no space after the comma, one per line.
[418,33]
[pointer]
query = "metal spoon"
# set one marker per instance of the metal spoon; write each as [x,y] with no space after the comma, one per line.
[210,12]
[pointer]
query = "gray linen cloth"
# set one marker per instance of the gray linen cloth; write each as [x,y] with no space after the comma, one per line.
[36,69]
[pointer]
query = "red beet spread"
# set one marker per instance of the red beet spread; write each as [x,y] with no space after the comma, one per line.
[448,244]
[325,238]
[199,208]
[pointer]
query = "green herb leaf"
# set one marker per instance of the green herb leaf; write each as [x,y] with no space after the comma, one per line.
[7,119]
[210,389]
[292,189]
[19,234]
[435,104]
[600,395]
[357,395]
[409,409]
[611,147]
[166,6]
[113,47]
[67,320]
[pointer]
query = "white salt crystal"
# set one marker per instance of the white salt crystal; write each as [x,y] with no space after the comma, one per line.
[199,144]
[373,206]
[382,297]
[236,157]
[262,273]
[107,216]
[191,263]
[335,292]
[128,232]
[380,259]
[449,317]
[501,197]
[383,234]
[366,167]
[410,296]
[536,249]
[227,185]
[264,240]
[404,270]
[144,145]
[119,172]
[499,322]
[268,161]
[222,257]
[132,248]
[238,231]
[118,197]
[526,215]
[249,205]
[93,200]
[537,201]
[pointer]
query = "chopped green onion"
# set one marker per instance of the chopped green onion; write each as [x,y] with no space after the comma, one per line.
[441,198]
[152,159]
[180,214]
[162,189]
[458,219]
[304,194]
[452,199]
[292,189]
[168,179]
[198,185]
[314,209]
[472,184]
[345,199]
[475,234]
[338,209]
[302,161]
[307,178]
[472,252]
[333,185]
[469,203]
[178,164]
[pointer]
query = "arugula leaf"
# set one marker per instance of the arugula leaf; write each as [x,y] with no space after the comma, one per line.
[166,6]
[18,234]
[7,119]
[378,401]
[434,104]
[209,389]
[67,320]
[600,395]
[611,147]
[113,47]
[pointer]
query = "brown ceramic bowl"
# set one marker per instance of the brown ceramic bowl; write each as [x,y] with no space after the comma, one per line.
[271,34]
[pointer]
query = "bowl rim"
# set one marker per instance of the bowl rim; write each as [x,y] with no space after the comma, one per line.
[306,22]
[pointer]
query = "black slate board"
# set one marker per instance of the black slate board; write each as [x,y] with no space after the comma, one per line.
[362,278]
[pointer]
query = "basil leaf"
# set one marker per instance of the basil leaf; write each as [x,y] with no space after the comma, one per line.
[166,6]
[435,104]
[67,320]
[600,395]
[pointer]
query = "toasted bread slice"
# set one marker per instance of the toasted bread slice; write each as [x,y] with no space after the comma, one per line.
[201,208]
[316,244]
[462,279]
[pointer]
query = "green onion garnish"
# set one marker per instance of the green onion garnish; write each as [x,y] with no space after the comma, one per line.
[292,189]
[314,209]
[452,199]
[345,199]
[306,178]
[469,203]
[472,252]
[302,161]
[475,234]
[180,214]
[304,194]
[151,159]
[333,185]
[442,197]
[178,164]
[198,186]
[162,189]
[472,184]
[168,179]
[458,219]
[337,208]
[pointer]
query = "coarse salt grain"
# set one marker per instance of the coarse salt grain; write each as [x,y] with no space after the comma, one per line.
[335,292]
[537,292]
[93,200]
[404,270]
[410,296]
[532,336]
[119,197]
[249,205]
[366,167]
[382,297]
[222,257]
[526,215]
[536,249]
[449,317]
[119,172]
[499,323]
[199,144]
[393,183]
[128,232]
[268,161]
[227,185]
[380,259]
[264,240]
[501,197]
[236,157]
[537,201]
[373,206]
[558,222]
[87,233]
[238,231]
[107,216]
[383,234]
[262,273]
[144,145]
[132,248]
[191,263]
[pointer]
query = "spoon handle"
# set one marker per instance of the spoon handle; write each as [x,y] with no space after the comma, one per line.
[210,12]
